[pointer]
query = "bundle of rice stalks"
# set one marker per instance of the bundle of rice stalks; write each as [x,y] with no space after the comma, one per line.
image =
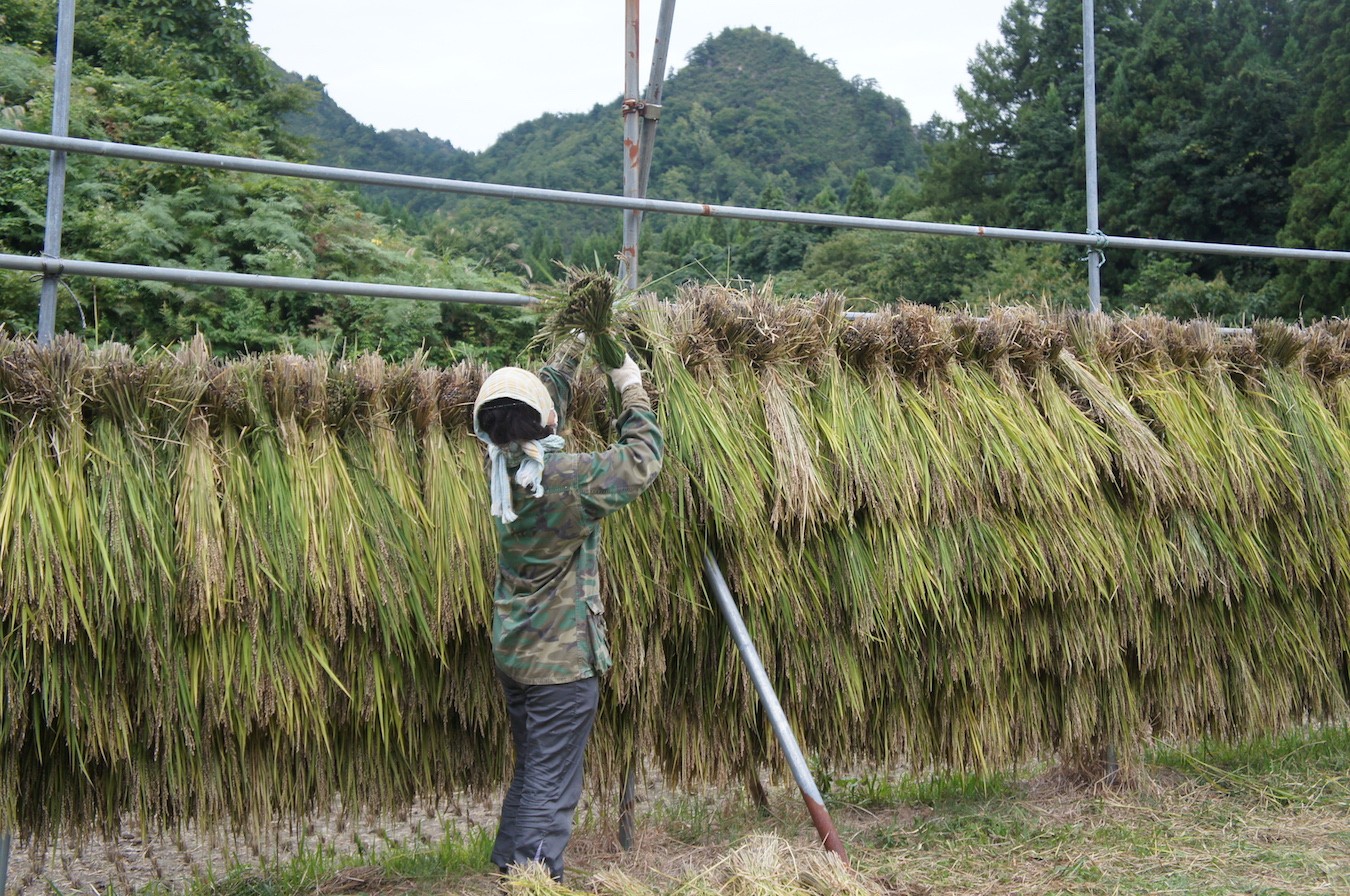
[767,865]
[763,344]
[886,468]
[850,428]
[706,431]
[48,531]
[459,535]
[202,544]
[586,307]
[327,510]
[1140,465]
[1327,357]
[1022,462]
[382,464]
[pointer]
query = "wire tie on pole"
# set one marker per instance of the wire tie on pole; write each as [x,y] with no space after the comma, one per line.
[1100,243]
[61,281]
[47,269]
[60,266]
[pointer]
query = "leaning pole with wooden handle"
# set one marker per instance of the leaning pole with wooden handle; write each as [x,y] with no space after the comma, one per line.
[815,805]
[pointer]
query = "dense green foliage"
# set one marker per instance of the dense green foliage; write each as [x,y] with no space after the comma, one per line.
[1220,121]
[1319,211]
[1214,125]
[184,75]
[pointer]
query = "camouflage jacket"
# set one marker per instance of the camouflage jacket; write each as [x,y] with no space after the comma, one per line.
[548,623]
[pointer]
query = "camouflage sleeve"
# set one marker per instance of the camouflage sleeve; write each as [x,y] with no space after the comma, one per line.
[557,376]
[617,475]
[635,397]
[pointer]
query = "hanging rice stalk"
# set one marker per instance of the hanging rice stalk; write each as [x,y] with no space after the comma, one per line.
[237,589]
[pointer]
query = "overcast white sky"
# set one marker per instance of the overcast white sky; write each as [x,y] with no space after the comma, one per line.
[468,70]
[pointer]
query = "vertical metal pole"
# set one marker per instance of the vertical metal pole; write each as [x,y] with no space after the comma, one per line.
[652,98]
[632,123]
[4,861]
[628,803]
[1094,256]
[640,124]
[815,804]
[56,177]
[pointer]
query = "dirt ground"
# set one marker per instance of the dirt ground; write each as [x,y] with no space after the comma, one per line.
[1052,833]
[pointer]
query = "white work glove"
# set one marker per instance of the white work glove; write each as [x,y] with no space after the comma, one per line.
[625,375]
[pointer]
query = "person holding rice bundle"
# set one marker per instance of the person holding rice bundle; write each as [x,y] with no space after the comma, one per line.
[548,624]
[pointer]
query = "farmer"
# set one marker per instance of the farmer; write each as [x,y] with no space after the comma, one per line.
[548,624]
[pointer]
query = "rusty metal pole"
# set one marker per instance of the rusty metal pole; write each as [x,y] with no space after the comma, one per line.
[651,100]
[628,274]
[815,804]
[632,124]
[639,124]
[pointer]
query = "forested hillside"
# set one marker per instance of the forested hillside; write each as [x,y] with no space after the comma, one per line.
[750,119]
[184,75]
[1219,121]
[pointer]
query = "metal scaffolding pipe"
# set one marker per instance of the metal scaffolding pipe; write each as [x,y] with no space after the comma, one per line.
[632,130]
[1095,258]
[56,174]
[652,97]
[628,276]
[58,267]
[500,191]
[815,804]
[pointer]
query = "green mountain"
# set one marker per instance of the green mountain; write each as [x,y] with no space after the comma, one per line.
[749,108]
[750,115]
[336,138]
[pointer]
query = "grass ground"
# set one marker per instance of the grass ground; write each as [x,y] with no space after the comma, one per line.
[1268,817]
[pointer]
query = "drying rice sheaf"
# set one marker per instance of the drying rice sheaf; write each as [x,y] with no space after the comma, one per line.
[236,590]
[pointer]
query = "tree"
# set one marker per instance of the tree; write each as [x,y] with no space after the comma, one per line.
[1195,114]
[1319,207]
[862,200]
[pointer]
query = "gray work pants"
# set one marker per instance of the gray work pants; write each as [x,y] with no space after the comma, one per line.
[550,724]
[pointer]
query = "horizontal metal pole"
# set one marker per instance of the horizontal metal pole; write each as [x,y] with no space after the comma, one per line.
[1222,331]
[61,266]
[501,191]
